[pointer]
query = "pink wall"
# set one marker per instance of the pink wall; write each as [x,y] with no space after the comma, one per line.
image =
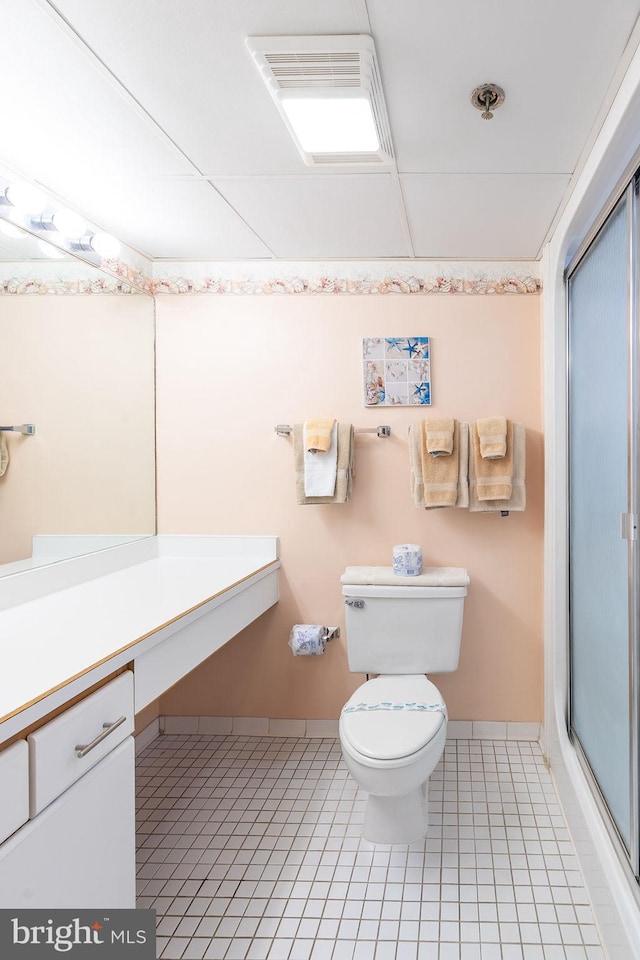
[229,369]
[81,368]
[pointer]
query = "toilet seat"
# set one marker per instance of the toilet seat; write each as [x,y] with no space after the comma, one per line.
[392,734]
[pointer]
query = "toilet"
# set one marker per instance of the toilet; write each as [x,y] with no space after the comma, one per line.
[393,729]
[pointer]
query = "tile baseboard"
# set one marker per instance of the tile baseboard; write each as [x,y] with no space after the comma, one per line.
[492,730]
[147,735]
[308,729]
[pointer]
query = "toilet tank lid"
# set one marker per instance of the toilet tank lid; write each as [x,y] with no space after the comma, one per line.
[384,576]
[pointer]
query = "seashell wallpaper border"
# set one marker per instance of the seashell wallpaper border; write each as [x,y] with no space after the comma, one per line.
[277,278]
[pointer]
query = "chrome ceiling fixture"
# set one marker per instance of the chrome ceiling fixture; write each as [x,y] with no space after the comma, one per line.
[59,230]
[487,97]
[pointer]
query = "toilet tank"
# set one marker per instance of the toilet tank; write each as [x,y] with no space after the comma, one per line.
[403,629]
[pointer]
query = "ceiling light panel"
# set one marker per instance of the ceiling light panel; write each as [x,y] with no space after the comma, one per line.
[329,94]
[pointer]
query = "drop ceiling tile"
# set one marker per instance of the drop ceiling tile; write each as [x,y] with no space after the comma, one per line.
[321,217]
[554,61]
[65,118]
[481,217]
[175,220]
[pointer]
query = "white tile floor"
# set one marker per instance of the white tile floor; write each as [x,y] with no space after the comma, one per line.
[249,848]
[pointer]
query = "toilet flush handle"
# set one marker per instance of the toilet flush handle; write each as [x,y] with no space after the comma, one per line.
[358,604]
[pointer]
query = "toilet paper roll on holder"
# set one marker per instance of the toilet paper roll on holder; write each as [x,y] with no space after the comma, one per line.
[310,639]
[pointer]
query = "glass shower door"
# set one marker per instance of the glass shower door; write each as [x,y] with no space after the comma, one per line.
[600,525]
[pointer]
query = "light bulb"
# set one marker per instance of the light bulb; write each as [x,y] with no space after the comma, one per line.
[69,224]
[12,231]
[26,197]
[50,250]
[105,245]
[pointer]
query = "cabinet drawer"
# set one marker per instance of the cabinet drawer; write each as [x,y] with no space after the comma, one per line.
[14,788]
[55,759]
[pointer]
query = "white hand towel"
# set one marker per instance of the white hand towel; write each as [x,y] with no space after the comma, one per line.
[320,469]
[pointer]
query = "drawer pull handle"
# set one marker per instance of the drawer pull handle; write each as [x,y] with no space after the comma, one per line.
[82,749]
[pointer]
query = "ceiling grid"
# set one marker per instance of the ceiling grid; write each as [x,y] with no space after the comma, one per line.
[159,130]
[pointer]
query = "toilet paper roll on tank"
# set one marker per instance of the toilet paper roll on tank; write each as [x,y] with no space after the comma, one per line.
[407,559]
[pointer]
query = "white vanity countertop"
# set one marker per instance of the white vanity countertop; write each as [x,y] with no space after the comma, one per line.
[55,638]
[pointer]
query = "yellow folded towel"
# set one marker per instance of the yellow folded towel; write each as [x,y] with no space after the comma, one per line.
[416,480]
[518,499]
[440,474]
[439,432]
[493,477]
[492,432]
[345,465]
[318,434]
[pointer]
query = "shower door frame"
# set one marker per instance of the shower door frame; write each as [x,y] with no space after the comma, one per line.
[629,523]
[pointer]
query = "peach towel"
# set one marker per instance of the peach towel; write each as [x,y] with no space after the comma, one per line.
[494,477]
[318,434]
[440,474]
[416,478]
[518,499]
[492,432]
[439,432]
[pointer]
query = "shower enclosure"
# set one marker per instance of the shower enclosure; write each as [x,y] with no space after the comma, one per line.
[603,422]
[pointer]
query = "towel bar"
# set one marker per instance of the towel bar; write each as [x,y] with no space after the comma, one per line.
[27,428]
[284,430]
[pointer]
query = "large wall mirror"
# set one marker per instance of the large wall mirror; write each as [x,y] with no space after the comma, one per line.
[79,366]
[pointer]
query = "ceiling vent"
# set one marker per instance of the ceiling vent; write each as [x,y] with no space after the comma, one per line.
[334,78]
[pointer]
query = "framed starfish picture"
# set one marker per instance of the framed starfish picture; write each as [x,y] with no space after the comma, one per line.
[396,371]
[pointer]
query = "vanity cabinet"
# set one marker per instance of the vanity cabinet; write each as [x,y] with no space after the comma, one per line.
[14,788]
[78,849]
[163,605]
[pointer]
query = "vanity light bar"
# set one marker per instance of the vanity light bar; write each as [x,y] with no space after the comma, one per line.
[39,215]
[284,430]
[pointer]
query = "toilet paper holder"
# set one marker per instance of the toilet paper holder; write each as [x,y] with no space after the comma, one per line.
[330,633]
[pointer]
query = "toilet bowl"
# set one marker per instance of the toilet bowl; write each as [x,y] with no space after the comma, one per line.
[393,731]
